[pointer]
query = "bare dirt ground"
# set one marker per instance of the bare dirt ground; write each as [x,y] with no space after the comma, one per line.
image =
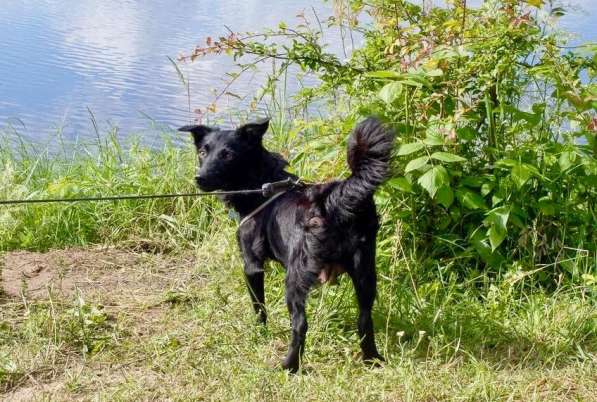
[118,274]
[124,283]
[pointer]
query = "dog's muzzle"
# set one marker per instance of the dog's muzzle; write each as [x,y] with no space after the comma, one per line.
[203,183]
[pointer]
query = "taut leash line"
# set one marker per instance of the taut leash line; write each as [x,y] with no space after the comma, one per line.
[267,190]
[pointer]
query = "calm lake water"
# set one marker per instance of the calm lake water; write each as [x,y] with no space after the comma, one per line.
[61,59]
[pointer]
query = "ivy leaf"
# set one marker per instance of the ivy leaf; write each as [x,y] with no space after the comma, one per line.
[445,196]
[390,92]
[407,149]
[470,199]
[416,164]
[447,157]
[434,179]
[401,184]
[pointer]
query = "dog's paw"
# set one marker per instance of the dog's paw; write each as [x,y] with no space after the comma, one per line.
[375,361]
[290,365]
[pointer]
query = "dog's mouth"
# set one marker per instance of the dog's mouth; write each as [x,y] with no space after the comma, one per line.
[204,184]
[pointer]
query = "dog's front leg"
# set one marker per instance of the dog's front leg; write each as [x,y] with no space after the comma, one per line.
[255,285]
[254,273]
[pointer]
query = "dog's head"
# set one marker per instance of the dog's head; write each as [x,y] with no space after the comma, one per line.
[225,155]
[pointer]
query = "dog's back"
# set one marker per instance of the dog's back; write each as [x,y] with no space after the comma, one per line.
[329,220]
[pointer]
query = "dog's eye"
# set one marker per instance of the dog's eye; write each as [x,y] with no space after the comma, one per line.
[226,155]
[202,153]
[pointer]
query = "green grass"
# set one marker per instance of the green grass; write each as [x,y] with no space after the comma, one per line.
[101,168]
[197,339]
[181,327]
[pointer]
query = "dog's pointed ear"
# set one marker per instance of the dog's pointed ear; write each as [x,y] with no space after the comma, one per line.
[254,131]
[198,132]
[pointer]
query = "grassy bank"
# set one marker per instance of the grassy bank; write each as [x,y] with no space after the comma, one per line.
[181,329]
[163,312]
[103,167]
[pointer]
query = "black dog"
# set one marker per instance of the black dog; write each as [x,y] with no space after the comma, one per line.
[316,231]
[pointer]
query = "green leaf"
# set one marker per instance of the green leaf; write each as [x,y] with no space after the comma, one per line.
[497,219]
[434,179]
[547,206]
[416,164]
[445,196]
[433,139]
[517,115]
[506,163]
[390,92]
[496,237]
[486,188]
[407,149]
[558,12]
[520,174]
[472,181]
[447,157]
[470,199]
[567,159]
[535,3]
[401,184]
[466,133]
[491,257]
[384,74]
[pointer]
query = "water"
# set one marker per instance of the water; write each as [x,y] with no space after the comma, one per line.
[61,60]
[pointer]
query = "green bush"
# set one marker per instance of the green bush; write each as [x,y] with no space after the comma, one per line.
[495,118]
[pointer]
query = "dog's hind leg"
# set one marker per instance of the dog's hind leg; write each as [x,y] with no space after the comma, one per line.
[365,282]
[298,283]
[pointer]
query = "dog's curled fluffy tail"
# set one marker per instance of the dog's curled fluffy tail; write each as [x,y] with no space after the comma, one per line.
[369,149]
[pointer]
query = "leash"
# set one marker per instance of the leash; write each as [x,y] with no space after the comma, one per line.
[260,208]
[276,189]
[266,190]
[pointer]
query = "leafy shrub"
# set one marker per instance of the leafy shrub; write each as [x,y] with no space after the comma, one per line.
[496,124]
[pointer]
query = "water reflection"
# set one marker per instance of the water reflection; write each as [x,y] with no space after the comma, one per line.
[60,57]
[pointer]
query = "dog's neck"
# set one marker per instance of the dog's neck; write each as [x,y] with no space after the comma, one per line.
[269,167]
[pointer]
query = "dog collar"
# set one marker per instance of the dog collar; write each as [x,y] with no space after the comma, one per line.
[260,208]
